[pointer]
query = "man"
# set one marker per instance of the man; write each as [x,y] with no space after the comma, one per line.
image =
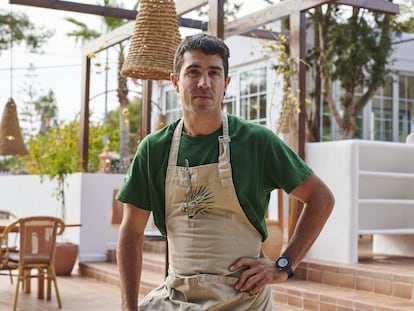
[207,179]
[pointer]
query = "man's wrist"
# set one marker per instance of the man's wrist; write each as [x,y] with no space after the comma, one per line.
[283,264]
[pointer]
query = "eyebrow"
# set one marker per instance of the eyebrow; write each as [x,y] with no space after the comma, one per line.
[198,66]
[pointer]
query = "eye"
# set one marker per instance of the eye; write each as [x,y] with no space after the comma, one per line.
[193,73]
[215,73]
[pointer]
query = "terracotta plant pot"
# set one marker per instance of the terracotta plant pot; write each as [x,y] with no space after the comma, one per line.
[273,244]
[65,258]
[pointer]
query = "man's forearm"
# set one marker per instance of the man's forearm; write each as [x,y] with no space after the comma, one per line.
[129,257]
[309,225]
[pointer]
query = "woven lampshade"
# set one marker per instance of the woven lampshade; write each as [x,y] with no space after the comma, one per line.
[153,43]
[11,140]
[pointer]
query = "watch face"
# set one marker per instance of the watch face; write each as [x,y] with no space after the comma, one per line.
[283,262]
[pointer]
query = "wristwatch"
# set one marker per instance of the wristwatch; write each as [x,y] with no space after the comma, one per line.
[283,264]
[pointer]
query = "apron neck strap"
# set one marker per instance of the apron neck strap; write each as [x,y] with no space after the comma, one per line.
[224,165]
[172,159]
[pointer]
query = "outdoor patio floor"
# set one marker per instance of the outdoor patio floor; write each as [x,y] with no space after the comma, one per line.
[78,293]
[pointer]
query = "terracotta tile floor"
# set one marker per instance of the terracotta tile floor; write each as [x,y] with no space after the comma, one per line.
[77,294]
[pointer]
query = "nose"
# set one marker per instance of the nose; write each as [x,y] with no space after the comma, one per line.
[204,81]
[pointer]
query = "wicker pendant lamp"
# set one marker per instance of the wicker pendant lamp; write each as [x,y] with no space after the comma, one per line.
[11,140]
[153,43]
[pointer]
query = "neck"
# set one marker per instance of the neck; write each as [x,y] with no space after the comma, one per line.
[201,126]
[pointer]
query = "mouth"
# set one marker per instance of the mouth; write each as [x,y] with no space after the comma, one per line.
[202,96]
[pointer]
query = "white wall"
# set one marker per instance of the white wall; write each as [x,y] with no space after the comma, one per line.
[97,234]
[334,162]
[88,202]
[373,183]
[402,58]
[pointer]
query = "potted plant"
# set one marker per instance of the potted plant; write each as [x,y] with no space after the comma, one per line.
[54,153]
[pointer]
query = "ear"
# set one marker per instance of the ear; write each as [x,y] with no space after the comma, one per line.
[174,81]
[226,84]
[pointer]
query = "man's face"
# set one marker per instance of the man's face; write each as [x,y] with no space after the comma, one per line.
[201,83]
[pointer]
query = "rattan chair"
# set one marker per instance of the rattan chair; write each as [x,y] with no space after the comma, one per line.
[36,251]
[8,247]
[5,253]
[7,215]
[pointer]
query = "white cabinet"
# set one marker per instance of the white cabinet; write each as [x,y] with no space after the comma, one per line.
[373,183]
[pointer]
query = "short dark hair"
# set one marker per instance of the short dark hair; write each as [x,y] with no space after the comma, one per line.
[207,44]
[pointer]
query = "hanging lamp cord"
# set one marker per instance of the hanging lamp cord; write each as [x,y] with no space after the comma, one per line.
[11,51]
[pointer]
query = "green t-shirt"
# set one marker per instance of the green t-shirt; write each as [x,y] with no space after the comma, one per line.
[260,160]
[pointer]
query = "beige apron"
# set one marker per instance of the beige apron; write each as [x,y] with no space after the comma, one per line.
[207,232]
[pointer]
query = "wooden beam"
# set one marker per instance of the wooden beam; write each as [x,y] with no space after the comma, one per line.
[380,6]
[181,6]
[84,116]
[192,23]
[269,14]
[216,18]
[261,34]
[185,6]
[285,8]
[79,8]
[114,37]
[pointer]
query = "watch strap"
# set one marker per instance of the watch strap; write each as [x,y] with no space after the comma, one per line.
[289,271]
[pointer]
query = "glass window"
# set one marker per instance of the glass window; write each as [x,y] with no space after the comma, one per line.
[382,119]
[230,99]
[405,106]
[410,87]
[253,95]
[326,124]
[358,133]
[172,106]
[402,81]
[387,89]
[263,104]
[382,113]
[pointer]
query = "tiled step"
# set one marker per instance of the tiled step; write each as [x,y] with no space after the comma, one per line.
[153,262]
[393,278]
[319,285]
[377,285]
[106,272]
[307,295]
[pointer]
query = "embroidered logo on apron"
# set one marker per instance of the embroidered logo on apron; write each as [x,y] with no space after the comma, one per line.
[198,201]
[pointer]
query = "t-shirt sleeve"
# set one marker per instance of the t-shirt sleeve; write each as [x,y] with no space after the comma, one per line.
[289,169]
[134,189]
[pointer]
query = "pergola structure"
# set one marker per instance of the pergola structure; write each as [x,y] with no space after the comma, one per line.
[247,25]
